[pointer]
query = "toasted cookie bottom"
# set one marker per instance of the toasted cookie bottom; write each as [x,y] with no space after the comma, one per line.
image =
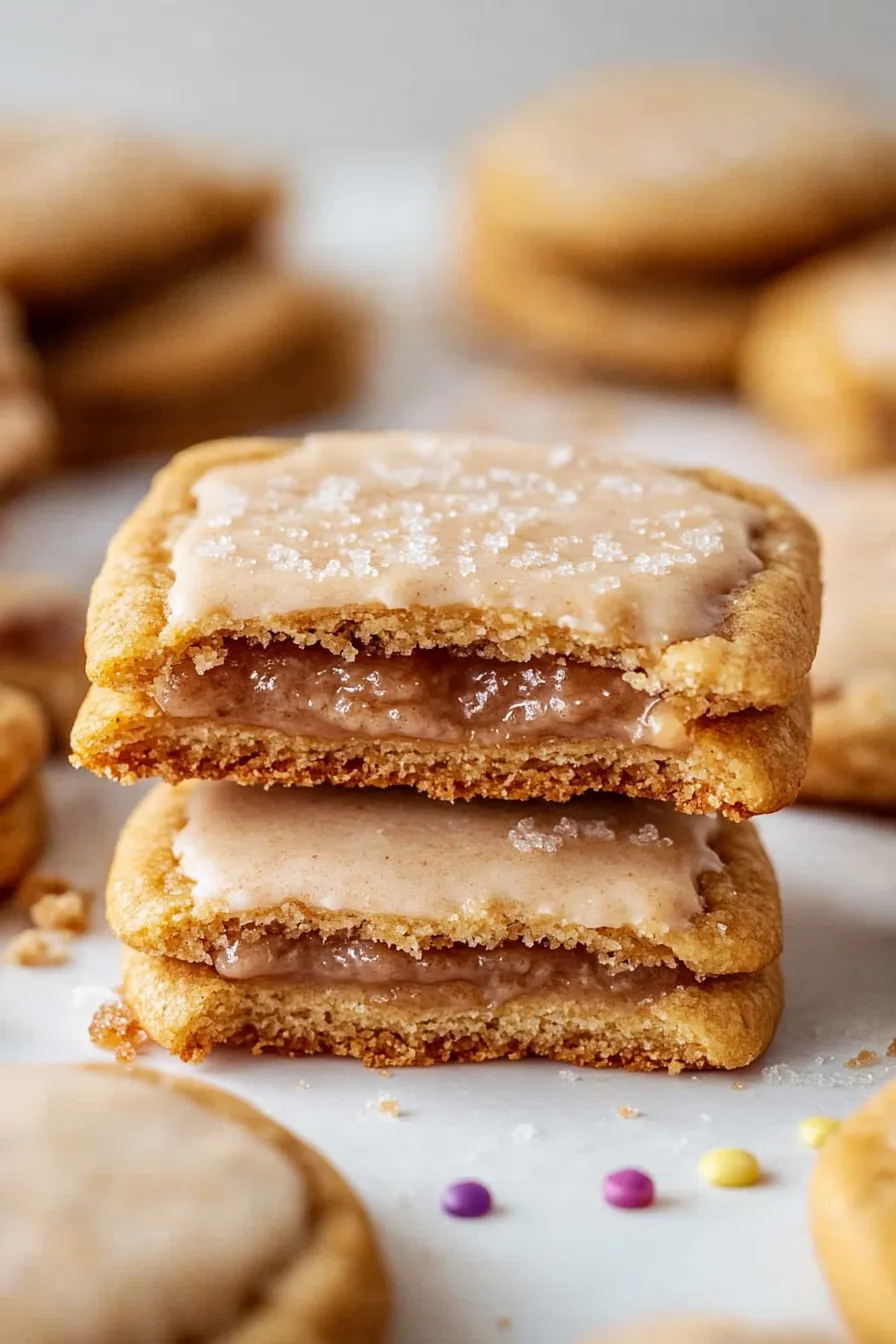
[684,332]
[336,1288]
[22,830]
[853,755]
[724,1023]
[739,765]
[319,373]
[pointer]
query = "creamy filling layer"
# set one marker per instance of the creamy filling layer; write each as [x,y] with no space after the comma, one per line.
[431,695]
[494,975]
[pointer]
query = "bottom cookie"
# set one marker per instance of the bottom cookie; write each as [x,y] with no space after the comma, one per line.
[853,1215]
[693,1330]
[136,1206]
[22,829]
[664,1020]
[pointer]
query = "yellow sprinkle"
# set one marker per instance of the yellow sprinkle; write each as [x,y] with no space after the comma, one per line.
[816,1131]
[729,1167]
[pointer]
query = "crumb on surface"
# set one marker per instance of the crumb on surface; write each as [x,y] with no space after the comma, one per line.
[504,1322]
[34,887]
[568,1075]
[303,1085]
[860,1060]
[388,1106]
[114,1027]
[629,1112]
[32,947]
[737,1087]
[68,911]
[385,1073]
[524,1133]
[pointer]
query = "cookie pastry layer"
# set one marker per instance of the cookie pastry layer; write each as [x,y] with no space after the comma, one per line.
[27,427]
[85,209]
[665,1021]
[853,1214]
[244,1233]
[853,756]
[23,820]
[217,873]
[238,343]
[820,357]
[689,167]
[680,329]
[23,738]
[42,645]
[496,595]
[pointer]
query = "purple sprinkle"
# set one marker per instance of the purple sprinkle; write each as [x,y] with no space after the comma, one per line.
[466,1199]
[629,1189]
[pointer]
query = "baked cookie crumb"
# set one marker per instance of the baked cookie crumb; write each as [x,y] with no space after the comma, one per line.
[32,947]
[862,1059]
[389,1107]
[54,902]
[891,1049]
[629,1112]
[114,1027]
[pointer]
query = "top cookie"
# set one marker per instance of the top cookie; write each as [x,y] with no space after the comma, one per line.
[692,581]
[83,208]
[699,167]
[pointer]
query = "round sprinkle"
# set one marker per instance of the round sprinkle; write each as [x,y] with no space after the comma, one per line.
[729,1167]
[629,1189]
[817,1129]
[467,1199]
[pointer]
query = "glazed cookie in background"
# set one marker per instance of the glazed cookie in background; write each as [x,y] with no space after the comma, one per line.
[820,356]
[853,1215]
[694,168]
[853,754]
[194,1216]
[681,329]
[237,344]
[623,604]
[86,208]
[42,645]
[27,427]
[694,1330]
[23,820]
[24,739]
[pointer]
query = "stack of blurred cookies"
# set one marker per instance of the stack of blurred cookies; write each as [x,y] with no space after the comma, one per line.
[157,307]
[628,223]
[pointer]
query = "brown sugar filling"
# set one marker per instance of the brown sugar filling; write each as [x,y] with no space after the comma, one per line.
[494,975]
[431,694]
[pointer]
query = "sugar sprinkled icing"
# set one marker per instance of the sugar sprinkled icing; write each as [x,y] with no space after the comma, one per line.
[404,520]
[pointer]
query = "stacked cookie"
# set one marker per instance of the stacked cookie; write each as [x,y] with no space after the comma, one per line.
[42,646]
[459,737]
[628,223]
[27,428]
[159,313]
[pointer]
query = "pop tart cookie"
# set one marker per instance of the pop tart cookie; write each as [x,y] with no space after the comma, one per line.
[385,925]
[470,616]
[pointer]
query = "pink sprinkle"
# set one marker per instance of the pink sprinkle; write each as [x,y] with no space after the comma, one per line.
[629,1189]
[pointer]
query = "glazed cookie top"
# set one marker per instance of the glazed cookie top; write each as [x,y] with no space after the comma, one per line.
[858,629]
[698,166]
[128,1211]
[83,207]
[513,550]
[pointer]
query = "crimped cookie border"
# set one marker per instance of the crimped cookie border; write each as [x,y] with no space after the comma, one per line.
[760,657]
[336,1287]
[724,1023]
[149,906]
[740,765]
[853,756]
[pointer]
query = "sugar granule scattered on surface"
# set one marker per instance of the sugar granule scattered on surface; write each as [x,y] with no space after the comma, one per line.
[388,1106]
[567,1075]
[524,1133]
[737,1087]
[303,1086]
[629,1112]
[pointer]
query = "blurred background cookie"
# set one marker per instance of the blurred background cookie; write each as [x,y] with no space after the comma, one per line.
[244,1233]
[42,645]
[853,757]
[820,357]
[626,222]
[27,429]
